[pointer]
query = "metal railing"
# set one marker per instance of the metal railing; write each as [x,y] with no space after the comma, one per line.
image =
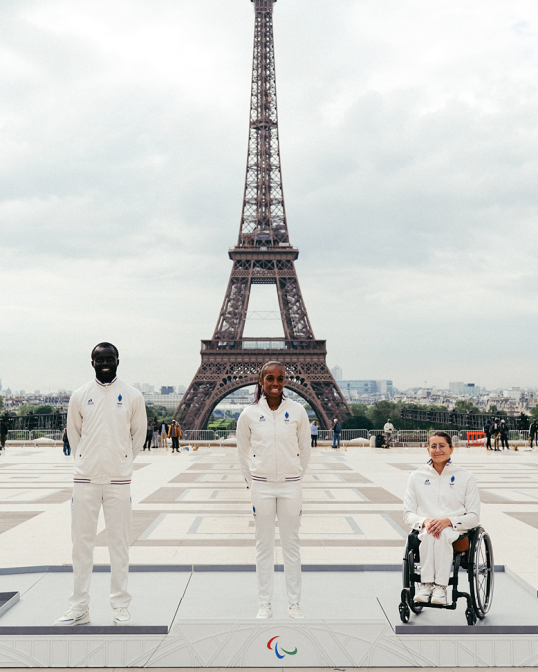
[345,435]
[31,436]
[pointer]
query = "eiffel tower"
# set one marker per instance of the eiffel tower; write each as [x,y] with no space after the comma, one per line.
[263,255]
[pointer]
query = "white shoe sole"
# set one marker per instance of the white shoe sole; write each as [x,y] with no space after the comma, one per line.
[439,600]
[422,599]
[71,624]
[265,617]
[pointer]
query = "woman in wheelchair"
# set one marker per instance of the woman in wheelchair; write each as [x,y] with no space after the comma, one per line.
[441,502]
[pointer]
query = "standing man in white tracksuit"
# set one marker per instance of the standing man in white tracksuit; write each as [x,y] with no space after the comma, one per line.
[106,425]
[273,441]
[442,501]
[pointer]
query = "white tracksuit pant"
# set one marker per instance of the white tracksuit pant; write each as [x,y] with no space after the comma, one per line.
[436,556]
[285,501]
[85,507]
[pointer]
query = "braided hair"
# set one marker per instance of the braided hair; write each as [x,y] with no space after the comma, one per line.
[259,387]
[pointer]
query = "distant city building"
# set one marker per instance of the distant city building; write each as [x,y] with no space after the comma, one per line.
[353,389]
[166,400]
[181,389]
[337,373]
[466,389]
[0,384]
[167,389]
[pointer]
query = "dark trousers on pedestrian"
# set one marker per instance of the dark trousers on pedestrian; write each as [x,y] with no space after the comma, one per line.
[67,448]
[504,440]
[488,441]
[314,442]
[147,443]
[175,443]
[534,438]
[336,439]
[3,438]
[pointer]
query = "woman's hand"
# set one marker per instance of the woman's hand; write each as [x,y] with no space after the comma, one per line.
[436,526]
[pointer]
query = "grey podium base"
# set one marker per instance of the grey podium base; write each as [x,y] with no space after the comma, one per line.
[202,616]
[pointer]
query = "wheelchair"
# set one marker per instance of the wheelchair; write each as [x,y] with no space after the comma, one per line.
[473,552]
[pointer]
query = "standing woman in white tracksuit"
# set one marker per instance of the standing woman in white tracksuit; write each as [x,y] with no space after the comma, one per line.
[273,441]
[441,501]
[106,425]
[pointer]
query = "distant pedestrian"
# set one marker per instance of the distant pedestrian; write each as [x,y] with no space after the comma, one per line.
[388,429]
[174,433]
[337,430]
[156,435]
[314,431]
[504,435]
[533,432]
[164,435]
[495,432]
[149,435]
[487,432]
[3,434]
[65,439]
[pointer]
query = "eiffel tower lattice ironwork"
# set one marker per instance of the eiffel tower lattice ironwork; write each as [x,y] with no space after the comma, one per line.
[263,255]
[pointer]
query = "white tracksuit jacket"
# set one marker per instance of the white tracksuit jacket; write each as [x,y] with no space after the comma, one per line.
[453,494]
[106,426]
[273,448]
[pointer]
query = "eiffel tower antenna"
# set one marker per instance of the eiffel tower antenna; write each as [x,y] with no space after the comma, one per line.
[263,255]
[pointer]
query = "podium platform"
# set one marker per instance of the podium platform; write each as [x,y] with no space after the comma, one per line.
[204,616]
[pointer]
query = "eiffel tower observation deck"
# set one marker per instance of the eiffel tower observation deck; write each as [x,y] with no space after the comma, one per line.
[263,255]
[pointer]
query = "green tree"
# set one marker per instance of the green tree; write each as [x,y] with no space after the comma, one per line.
[359,409]
[1,401]
[534,413]
[381,411]
[357,422]
[463,406]
[45,409]
[27,409]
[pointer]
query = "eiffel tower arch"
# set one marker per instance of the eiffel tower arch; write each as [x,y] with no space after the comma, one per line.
[263,255]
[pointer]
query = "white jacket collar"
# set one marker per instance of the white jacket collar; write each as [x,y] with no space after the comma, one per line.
[106,384]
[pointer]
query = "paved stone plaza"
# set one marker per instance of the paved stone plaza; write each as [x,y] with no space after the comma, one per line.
[193,508]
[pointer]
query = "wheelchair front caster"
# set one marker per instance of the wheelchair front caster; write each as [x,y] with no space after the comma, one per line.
[471,616]
[404,612]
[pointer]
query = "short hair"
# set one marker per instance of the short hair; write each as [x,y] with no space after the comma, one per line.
[444,435]
[106,345]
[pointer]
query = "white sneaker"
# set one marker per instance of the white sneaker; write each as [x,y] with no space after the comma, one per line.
[121,616]
[295,611]
[73,617]
[266,611]
[439,595]
[424,593]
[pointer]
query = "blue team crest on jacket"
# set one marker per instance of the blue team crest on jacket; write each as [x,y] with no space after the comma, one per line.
[262,419]
[287,416]
[427,481]
[119,399]
[452,480]
[90,402]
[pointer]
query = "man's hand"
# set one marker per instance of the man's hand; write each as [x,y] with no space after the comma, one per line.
[436,526]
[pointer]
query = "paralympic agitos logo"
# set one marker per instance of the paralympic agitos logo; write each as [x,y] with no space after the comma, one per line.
[278,654]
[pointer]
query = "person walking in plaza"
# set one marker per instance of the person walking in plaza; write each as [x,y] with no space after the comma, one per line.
[149,436]
[503,430]
[174,432]
[164,434]
[388,429]
[273,443]
[65,439]
[3,434]
[533,432]
[487,432]
[337,431]
[106,424]
[155,436]
[496,432]
[441,501]
[314,431]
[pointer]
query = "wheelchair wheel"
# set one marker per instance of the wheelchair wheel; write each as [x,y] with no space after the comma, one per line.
[481,573]
[408,569]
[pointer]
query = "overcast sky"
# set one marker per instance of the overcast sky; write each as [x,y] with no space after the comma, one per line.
[409,138]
